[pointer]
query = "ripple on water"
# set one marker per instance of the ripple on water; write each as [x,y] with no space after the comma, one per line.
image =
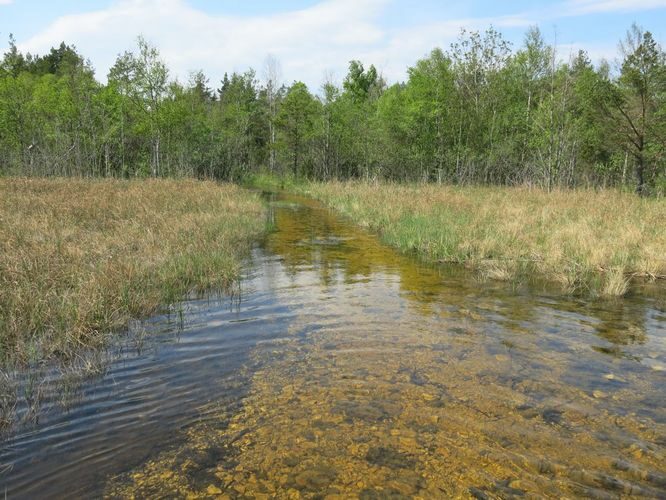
[348,370]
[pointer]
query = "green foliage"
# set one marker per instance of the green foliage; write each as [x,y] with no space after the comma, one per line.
[238,125]
[296,122]
[641,89]
[359,83]
[477,113]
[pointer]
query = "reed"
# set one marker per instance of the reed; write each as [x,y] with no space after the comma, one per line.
[592,242]
[79,258]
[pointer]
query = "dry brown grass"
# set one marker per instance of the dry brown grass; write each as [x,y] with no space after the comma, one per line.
[79,258]
[588,241]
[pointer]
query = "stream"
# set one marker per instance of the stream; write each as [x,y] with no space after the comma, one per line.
[341,368]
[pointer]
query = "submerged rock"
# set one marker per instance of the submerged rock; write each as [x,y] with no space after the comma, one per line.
[315,479]
[389,457]
[213,490]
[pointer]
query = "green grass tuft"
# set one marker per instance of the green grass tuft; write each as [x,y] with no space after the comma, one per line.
[590,242]
[79,258]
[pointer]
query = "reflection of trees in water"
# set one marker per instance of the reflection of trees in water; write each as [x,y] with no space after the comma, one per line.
[411,378]
[330,245]
[314,238]
[623,335]
[623,324]
[322,241]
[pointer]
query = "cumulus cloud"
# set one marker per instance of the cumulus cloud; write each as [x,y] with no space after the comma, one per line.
[307,41]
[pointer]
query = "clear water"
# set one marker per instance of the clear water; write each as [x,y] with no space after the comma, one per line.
[348,370]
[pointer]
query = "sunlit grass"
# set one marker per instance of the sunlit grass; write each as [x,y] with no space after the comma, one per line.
[79,258]
[588,241]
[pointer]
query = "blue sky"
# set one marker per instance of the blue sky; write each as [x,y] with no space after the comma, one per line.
[312,39]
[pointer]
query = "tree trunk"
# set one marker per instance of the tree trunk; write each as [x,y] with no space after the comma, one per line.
[640,175]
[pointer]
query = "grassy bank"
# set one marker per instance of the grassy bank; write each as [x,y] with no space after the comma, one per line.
[79,258]
[587,241]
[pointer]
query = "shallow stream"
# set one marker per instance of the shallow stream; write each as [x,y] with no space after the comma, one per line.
[345,369]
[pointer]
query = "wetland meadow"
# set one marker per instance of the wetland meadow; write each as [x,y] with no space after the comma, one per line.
[343,368]
[332,249]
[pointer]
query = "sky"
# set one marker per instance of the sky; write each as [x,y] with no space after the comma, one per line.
[312,40]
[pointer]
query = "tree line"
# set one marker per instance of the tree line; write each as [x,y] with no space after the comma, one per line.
[479,112]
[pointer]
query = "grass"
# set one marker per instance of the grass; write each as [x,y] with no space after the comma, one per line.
[273,182]
[590,242]
[80,258]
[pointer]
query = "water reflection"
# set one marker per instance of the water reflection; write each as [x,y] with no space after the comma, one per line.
[395,379]
[114,410]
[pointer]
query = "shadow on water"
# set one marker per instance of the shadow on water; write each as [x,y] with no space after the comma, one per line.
[350,370]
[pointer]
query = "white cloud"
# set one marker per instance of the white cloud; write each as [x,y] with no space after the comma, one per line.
[307,42]
[595,51]
[405,46]
[6,2]
[580,7]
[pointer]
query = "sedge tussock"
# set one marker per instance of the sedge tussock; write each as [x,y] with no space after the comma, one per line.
[79,258]
[585,240]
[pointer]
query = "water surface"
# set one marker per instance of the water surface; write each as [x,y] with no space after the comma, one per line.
[349,370]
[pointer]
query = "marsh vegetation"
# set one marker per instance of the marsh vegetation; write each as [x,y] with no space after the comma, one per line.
[79,258]
[589,242]
[343,368]
[392,378]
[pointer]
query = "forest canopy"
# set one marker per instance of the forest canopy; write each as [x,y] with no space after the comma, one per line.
[479,112]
